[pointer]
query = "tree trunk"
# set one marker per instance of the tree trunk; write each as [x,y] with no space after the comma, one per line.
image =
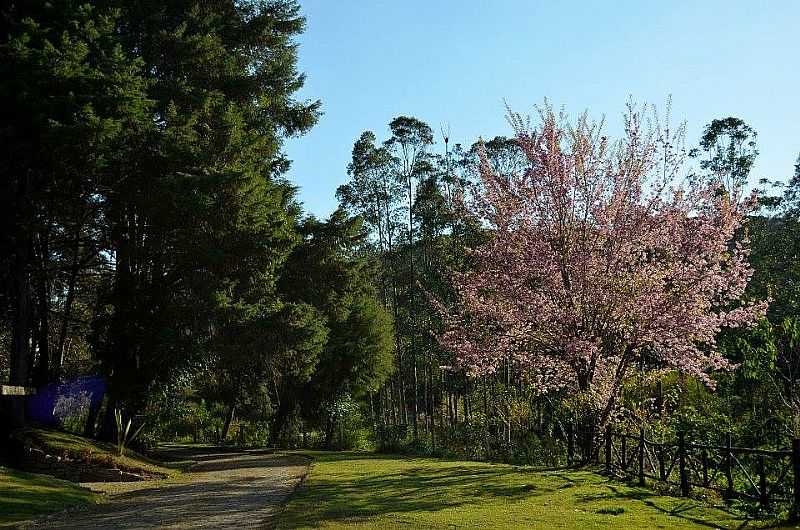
[411,312]
[372,420]
[21,329]
[228,420]
[91,420]
[108,425]
[393,400]
[43,302]
[286,406]
[450,401]
[330,427]
[62,336]
[121,371]
[466,401]
[402,393]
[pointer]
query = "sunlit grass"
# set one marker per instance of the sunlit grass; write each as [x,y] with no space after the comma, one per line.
[58,443]
[351,490]
[24,495]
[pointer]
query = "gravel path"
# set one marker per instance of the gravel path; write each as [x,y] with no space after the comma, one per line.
[223,490]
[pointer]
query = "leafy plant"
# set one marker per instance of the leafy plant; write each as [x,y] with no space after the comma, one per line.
[123,437]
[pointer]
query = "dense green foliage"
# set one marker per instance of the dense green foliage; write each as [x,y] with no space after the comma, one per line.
[422,237]
[148,234]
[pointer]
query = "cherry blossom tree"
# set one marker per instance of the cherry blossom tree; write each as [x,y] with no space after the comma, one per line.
[603,258]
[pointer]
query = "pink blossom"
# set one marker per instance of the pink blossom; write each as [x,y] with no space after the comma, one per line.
[601,254]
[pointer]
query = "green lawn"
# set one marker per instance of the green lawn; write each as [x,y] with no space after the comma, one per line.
[24,495]
[352,490]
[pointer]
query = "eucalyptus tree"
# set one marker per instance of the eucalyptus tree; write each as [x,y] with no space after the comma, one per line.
[730,151]
[504,155]
[374,194]
[410,142]
[790,201]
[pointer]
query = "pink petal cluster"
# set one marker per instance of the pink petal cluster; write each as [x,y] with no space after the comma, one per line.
[601,255]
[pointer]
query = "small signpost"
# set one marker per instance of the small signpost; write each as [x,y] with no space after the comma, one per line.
[10,390]
[12,404]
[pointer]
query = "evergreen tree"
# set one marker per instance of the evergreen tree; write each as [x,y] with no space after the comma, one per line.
[326,271]
[203,222]
[71,97]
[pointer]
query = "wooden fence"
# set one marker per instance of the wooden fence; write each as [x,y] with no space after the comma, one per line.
[763,476]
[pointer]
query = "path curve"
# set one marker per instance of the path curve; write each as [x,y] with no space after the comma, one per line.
[244,489]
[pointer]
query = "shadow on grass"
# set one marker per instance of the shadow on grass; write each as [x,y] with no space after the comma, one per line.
[25,495]
[686,509]
[416,488]
[359,488]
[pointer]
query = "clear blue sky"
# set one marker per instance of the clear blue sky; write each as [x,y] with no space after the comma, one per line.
[456,61]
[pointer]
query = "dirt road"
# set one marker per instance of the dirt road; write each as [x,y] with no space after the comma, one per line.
[223,490]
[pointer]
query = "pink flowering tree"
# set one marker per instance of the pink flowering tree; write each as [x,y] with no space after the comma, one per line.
[602,257]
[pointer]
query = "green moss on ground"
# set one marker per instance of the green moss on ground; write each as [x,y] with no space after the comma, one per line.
[352,490]
[24,496]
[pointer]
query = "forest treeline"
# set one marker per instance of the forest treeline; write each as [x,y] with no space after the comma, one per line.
[150,237]
[411,189]
[148,234]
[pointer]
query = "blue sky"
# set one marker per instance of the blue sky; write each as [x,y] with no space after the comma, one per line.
[455,62]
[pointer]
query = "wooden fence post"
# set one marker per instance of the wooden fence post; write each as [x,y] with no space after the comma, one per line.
[795,512]
[570,443]
[763,497]
[608,449]
[682,464]
[641,456]
[728,466]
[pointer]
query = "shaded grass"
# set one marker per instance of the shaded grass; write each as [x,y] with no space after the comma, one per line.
[77,447]
[356,490]
[25,495]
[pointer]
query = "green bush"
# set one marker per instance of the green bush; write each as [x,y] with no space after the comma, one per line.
[392,438]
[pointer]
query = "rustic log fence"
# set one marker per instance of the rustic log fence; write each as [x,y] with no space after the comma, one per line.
[763,476]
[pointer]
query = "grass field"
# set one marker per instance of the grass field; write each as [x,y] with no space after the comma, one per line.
[24,496]
[351,490]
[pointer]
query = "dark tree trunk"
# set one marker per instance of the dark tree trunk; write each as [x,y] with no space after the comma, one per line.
[450,402]
[21,329]
[228,420]
[67,313]
[285,407]
[108,426]
[43,303]
[120,365]
[466,401]
[372,419]
[411,311]
[402,389]
[91,421]
[330,427]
